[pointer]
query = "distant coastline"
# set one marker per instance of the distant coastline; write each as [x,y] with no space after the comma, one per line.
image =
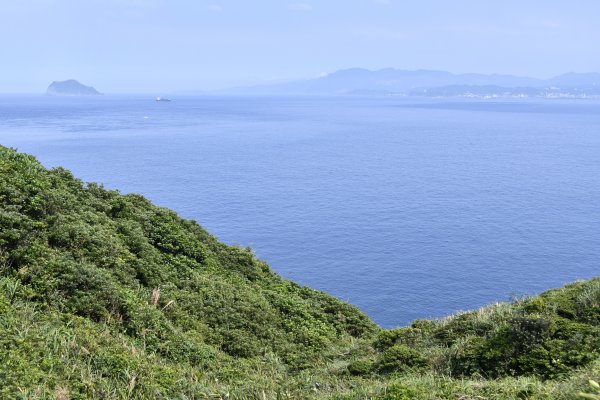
[429,83]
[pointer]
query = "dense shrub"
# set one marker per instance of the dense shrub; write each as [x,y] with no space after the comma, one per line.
[400,358]
[361,367]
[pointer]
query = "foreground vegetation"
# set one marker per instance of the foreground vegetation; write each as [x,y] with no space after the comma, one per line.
[108,296]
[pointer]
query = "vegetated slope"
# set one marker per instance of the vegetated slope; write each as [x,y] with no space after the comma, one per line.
[91,263]
[108,296]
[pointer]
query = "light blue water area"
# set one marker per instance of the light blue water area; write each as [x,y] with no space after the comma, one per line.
[406,208]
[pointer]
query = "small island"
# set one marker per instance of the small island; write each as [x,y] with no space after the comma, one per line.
[70,87]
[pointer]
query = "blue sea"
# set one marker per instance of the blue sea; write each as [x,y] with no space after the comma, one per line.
[407,208]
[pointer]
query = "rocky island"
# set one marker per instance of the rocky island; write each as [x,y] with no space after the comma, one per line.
[70,87]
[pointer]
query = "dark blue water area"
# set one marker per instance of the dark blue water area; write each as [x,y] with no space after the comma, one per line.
[407,208]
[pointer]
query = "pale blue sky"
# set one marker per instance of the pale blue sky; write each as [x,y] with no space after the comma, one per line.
[165,45]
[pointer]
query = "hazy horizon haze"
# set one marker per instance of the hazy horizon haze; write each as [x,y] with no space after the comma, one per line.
[153,46]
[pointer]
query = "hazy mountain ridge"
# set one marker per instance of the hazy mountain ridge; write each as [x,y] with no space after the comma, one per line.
[420,82]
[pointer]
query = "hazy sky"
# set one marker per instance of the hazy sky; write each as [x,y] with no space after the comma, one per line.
[164,45]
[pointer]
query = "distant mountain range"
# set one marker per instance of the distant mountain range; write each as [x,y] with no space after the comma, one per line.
[429,83]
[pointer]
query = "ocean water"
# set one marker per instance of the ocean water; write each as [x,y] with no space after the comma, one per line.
[404,207]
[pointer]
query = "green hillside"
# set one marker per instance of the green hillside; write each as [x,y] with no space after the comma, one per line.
[104,296]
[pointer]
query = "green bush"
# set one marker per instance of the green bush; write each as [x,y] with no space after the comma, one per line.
[400,358]
[361,367]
